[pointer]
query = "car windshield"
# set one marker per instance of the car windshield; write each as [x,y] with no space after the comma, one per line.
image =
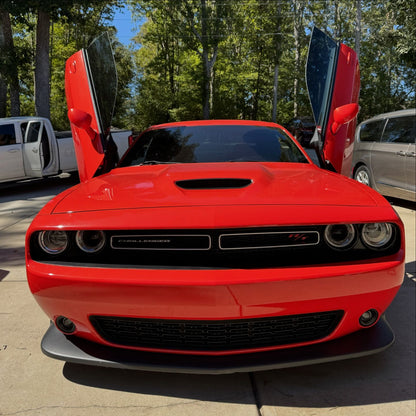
[307,122]
[213,143]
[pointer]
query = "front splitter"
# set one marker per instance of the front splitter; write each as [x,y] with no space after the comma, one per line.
[77,350]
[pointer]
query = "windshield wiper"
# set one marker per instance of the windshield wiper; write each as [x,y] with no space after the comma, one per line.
[244,160]
[155,162]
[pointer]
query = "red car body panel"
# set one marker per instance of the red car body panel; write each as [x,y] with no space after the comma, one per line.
[89,153]
[214,295]
[271,185]
[338,147]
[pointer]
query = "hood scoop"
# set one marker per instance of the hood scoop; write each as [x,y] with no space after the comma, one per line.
[214,183]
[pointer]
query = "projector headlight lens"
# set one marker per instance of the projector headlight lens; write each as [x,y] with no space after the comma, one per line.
[340,236]
[377,235]
[53,242]
[90,241]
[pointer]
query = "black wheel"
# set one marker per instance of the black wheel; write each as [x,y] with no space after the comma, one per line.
[363,175]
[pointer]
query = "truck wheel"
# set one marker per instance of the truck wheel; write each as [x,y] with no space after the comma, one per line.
[363,175]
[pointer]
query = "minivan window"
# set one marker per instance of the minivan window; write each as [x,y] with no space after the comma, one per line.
[7,135]
[400,130]
[371,131]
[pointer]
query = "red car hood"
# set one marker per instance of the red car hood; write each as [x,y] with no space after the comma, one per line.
[272,184]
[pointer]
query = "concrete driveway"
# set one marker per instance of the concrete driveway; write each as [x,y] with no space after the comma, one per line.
[32,384]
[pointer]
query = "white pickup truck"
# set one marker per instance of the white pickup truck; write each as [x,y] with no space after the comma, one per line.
[29,148]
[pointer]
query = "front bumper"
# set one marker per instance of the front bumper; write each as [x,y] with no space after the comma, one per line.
[80,351]
[211,295]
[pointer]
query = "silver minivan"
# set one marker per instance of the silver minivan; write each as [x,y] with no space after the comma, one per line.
[385,154]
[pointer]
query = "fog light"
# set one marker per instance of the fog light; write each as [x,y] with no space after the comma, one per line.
[368,318]
[65,325]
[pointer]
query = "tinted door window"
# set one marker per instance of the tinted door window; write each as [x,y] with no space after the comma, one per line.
[32,135]
[23,127]
[371,131]
[7,135]
[103,75]
[319,74]
[46,151]
[400,130]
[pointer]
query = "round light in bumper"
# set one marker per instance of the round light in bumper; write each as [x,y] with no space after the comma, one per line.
[377,235]
[368,318]
[90,241]
[65,325]
[53,242]
[340,236]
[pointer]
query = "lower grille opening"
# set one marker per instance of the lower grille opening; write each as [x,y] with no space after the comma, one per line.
[224,335]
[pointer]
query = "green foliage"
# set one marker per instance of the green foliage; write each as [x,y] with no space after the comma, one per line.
[74,25]
[168,78]
[255,37]
[387,76]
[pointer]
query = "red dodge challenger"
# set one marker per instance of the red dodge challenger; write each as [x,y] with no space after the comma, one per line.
[215,246]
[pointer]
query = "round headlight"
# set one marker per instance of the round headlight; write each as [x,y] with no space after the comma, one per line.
[90,241]
[340,236]
[53,242]
[377,235]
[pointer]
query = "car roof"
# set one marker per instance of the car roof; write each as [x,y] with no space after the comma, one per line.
[400,113]
[215,123]
[22,118]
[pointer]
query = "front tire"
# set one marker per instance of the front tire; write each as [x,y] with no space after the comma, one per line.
[363,175]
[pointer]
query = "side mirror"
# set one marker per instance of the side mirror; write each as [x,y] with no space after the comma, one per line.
[343,115]
[82,120]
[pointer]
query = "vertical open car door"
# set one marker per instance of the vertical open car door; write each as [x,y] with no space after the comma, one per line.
[91,87]
[333,81]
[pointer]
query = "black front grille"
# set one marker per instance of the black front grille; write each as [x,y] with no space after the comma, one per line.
[236,248]
[161,242]
[252,240]
[216,335]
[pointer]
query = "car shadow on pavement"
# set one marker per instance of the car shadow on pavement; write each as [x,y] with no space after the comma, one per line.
[410,273]
[3,274]
[12,257]
[386,377]
[40,187]
[402,203]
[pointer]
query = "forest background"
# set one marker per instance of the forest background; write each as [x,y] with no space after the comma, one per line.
[193,59]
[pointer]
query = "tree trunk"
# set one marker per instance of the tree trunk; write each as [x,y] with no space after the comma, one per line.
[206,89]
[9,65]
[337,30]
[275,83]
[276,63]
[3,85]
[42,66]
[3,97]
[297,58]
[209,48]
[257,93]
[358,29]
[208,83]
